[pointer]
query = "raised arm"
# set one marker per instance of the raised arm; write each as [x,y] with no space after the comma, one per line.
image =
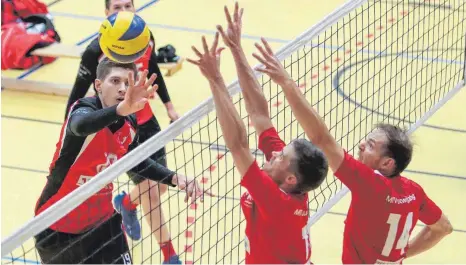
[256,104]
[308,118]
[233,129]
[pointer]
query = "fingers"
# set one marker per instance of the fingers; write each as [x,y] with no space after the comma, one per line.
[196,51]
[131,79]
[150,81]
[267,46]
[204,45]
[263,70]
[224,36]
[152,89]
[213,49]
[236,13]
[143,78]
[261,50]
[241,14]
[262,61]
[193,61]
[195,191]
[228,16]
[219,51]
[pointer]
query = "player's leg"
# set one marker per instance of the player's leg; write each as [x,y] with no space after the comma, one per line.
[107,244]
[58,248]
[148,194]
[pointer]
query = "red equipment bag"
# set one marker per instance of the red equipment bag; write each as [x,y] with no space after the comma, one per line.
[13,10]
[20,39]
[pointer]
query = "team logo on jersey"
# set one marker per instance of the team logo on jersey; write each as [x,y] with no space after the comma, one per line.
[111,158]
[247,200]
[404,200]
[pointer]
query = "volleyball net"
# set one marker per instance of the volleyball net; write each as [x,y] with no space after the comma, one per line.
[367,62]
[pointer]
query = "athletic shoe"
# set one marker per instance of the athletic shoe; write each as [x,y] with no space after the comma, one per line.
[130,218]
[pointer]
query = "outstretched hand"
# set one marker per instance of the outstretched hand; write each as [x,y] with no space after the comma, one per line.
[271,65]
[209,62]
[137,94]
[232,37]
[192,188]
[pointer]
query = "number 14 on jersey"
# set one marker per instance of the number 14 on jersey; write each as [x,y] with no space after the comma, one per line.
[402,242]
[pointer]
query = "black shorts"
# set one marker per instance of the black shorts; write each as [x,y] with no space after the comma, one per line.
[159,156]
[105,244]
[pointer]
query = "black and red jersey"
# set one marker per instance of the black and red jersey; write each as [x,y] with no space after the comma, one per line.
[91,139]
[88,70]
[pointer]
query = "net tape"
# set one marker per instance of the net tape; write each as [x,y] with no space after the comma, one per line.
[407,67]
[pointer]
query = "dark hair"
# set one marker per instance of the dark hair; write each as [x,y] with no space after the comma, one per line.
[309,165]
[107,3]
[399,147]
[106,65]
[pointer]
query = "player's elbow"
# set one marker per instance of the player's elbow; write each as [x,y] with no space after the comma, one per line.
[447,228]
[442,226]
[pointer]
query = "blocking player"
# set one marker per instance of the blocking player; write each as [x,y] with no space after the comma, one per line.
[98,131]
[276,204]
[146,192]
[385,206]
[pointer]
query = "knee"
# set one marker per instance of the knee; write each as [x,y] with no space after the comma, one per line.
[156,190]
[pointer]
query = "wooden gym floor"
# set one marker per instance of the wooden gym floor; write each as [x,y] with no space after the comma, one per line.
[31,122]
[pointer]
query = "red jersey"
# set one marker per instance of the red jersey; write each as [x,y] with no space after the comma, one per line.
[76,161]
[382,214]
[277,229]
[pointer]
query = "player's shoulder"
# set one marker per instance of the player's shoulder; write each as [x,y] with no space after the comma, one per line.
[87,102]
[410,184]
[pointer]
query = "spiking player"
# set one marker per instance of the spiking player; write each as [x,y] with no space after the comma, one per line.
[276,204]
[385,206]
[146,192]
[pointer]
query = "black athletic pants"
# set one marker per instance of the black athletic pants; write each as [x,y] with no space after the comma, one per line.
[106,244]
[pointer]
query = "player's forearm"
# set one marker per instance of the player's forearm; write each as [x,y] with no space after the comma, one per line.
[84,122]
[313,125]
[152,170]
[425,240]
[231,124]
[256,104]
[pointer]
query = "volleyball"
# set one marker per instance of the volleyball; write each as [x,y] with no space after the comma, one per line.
[124,37]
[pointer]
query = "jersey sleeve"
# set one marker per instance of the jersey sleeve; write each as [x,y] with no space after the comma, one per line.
[429,212]
[85,77]
[357,176]
[84,120]
[152,170]
[266,194]
[269,141]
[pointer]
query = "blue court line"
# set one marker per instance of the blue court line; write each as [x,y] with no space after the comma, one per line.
[253,37]
[27,261]
[92,36]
